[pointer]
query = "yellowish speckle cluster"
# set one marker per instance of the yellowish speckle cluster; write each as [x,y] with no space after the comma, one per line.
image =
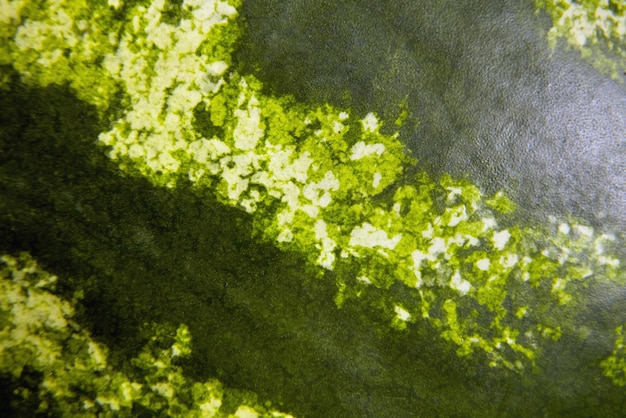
[37,331]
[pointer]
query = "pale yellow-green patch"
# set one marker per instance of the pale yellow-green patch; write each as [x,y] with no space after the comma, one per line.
[58,42]
[402,316]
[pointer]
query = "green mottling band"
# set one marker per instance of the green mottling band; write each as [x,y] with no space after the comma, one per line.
[614,367]
[597,28]
[318,181]
[37,331]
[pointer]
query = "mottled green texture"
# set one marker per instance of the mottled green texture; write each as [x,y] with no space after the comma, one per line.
[597,28]
[413,255]
[58,38]
[614,366]
[260,318]
[73,376]
[310,175]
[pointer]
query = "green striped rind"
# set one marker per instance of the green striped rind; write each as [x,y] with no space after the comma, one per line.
[323,182]
[597,28]
[37,332]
